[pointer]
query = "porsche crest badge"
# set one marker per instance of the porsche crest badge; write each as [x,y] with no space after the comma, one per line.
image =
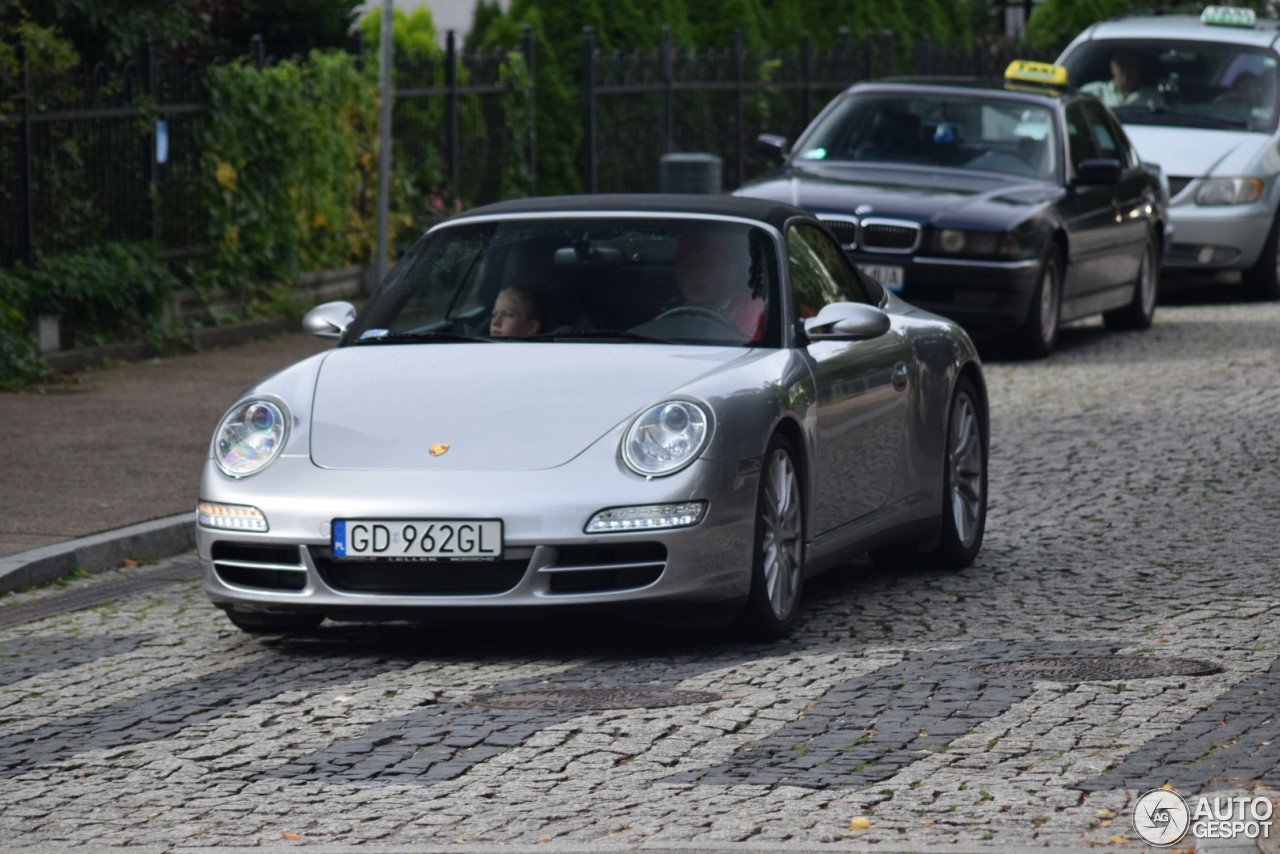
[438,449]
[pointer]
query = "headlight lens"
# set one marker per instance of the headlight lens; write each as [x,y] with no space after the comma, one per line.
[953,241]
[666,438]
[1229,191]
[249,436]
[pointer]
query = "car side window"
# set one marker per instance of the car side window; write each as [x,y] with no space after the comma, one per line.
[1109,139]
[1079,139]
[820,274]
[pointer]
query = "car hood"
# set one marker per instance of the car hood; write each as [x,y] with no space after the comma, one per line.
[1193,152]
[501,406]
[937,196]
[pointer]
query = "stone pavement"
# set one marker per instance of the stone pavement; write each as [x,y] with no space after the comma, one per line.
[1118,633]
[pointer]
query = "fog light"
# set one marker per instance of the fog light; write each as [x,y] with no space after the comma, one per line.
[230,517]
[649,517]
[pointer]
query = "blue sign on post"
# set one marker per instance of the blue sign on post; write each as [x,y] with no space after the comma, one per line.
[162,142]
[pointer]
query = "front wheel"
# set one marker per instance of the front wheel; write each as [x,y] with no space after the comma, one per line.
[1262,280]
[1141,311]
[964,482]
[1038,334]
[777,570]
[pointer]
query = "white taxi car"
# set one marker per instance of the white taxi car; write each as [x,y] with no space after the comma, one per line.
[1198,96]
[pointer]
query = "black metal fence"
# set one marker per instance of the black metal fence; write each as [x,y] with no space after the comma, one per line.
[117,155]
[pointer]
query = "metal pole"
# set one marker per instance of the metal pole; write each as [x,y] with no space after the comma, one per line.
[668,93]
[451,114]
[588,110]
[531,68]
[27,240]
[806,69]
[739,109]
[153,158]
[385,55]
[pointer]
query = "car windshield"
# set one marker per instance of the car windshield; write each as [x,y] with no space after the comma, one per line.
[1180,84]
[956,129]
[600,278]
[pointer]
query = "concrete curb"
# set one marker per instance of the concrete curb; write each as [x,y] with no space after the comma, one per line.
[159,538]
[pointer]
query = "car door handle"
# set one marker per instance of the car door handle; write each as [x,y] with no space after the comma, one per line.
[900,376]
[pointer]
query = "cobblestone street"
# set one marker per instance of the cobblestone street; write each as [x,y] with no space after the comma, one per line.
[1135,500]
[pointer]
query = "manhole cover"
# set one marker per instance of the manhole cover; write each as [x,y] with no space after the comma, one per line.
[1084,668]
[587,699]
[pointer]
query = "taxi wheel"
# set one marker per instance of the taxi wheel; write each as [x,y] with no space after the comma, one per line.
[258,623]
[1039,332]
[1139,313]
[1262,280]
[777,570]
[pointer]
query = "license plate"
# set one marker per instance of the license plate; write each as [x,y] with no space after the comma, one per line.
[889,275]
[418,539]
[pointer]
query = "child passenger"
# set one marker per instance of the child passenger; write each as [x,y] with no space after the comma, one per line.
[518,313]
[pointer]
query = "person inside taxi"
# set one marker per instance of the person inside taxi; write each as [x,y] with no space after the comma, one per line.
[710,275]
[1125,88]
[518,313]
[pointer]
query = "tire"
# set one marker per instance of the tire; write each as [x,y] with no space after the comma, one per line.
[258,622]
[777,564]
[1141,311]
[1038,334]
[1262,280]
[964,493]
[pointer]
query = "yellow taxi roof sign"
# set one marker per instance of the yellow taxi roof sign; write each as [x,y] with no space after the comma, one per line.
[1042,73]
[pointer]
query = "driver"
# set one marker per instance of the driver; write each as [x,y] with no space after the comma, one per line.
[711,274]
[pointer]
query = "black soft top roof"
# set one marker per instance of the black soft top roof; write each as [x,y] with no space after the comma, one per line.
[765,210]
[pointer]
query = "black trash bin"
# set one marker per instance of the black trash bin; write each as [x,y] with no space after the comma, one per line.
[690,172]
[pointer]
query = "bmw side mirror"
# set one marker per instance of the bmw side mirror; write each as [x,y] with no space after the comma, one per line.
[772,146]
[330,319]
[847,321]
[1098,172]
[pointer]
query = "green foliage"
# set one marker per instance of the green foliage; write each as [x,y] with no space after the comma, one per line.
[20,364]
[288,168]
[287,27]
[108,30]
[1054,23]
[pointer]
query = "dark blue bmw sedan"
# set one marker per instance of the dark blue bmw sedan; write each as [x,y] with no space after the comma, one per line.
[1012,208]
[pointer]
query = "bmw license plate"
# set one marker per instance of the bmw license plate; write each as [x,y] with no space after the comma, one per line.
[889,275]
[418,539]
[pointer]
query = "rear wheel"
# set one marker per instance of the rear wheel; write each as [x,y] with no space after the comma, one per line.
[777,571]
[1139,313]
[1038,334]
[1262,280]
[259,622]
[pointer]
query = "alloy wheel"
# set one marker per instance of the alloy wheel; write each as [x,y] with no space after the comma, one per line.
[782,534]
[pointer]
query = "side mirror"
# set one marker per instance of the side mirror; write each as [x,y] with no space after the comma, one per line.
[329,320]
[847,321]
[772,146]
[1098,172]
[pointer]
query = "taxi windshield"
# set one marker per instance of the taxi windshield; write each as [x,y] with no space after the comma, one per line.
[954,129]
[1180,84]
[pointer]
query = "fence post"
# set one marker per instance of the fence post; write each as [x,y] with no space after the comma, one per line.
[924,55]
[258,50]
[806,72]
[890,53]
[27,240]
[451,112]
[668,93]
[531,67]
[844,57]
[739,109]
[869,55]
[153,162]
[589,109]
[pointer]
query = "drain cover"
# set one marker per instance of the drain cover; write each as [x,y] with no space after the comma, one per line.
[1084,668]
[587,699]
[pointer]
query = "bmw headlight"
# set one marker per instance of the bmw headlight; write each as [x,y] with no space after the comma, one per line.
[1229,191]
[666,438]
[249,436]
[953,241]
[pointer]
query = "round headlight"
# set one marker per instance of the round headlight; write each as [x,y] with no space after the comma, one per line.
[951,240]
[666,438]
[249,436]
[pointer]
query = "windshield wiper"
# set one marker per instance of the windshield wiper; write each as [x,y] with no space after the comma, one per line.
[418,337]
[1163,115]
[623,334]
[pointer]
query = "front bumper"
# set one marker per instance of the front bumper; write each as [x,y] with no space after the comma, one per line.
[1216,238]
[548,562]
[982,296]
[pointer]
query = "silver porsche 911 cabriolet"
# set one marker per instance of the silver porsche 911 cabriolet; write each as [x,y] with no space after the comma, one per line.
[687,404]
